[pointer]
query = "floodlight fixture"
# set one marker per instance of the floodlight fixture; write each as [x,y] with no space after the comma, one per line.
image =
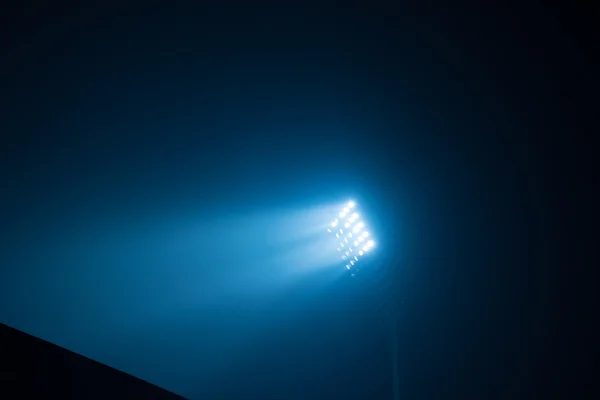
[352,221]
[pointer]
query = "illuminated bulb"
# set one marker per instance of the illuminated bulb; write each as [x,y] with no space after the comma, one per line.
[337,235]
[347,266]
[350,249]
[350,234]
[355,215]
[361,239]
[352,262]
[341,231]
[365,234]
[351,204]
[370,243]
[346,240]
[347,225]
[356,258]
[360,253]
[356,242]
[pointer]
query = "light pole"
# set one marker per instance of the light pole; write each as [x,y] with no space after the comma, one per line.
[354,242]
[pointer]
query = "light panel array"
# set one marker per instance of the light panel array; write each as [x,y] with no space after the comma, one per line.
[354,240]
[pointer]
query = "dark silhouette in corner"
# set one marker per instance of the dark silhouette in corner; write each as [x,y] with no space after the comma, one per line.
[36,369]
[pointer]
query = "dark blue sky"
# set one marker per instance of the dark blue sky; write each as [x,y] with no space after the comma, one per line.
[144,153]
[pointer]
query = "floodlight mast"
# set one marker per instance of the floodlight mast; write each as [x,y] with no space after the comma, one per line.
[361,237]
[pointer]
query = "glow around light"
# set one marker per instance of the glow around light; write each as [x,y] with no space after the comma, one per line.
[351,204]
[365,234]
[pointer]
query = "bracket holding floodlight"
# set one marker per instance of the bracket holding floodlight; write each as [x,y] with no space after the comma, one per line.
[350,229]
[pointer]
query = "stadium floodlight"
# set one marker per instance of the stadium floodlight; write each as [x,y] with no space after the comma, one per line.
[350,218]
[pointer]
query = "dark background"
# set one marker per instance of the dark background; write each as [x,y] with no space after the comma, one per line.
[462,130]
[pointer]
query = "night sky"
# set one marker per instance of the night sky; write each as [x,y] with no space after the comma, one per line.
[161,169]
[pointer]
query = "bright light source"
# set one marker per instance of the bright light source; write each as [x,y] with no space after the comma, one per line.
[355,242]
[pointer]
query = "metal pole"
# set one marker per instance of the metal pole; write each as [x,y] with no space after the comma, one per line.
[395,372]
